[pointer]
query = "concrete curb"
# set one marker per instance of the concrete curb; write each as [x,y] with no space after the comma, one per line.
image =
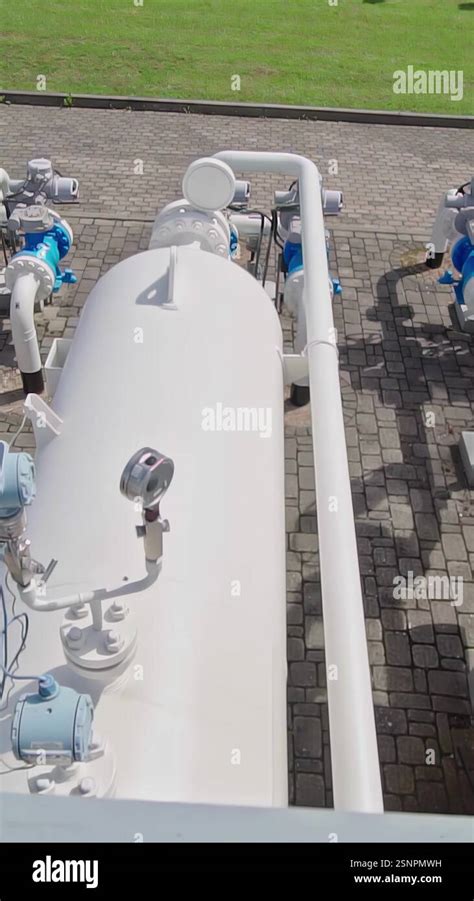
[223,108]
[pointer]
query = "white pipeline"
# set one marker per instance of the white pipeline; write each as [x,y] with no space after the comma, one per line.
[355,763]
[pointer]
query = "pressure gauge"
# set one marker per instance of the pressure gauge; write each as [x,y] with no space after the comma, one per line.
[147,476]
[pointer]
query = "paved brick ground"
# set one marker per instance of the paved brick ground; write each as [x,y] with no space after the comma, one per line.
[407,388]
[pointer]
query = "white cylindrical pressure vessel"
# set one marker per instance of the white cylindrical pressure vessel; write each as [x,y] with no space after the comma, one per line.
[178,350]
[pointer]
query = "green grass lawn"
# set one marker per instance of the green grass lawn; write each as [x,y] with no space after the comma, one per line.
[284,51]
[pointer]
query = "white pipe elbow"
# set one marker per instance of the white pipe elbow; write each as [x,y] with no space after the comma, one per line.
[22,321]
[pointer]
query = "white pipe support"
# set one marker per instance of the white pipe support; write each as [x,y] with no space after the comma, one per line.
[354,754]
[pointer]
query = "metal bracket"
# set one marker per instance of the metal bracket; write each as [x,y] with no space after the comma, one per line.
[295,368]
[46,423]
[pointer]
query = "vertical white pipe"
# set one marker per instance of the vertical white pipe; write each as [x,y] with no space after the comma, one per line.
[443,227]
[23,323]
[354,754]
[4,190]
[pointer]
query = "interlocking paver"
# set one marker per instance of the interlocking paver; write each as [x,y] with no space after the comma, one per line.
[314,632]
[450,646]
[447,683]
[466,625]
[402,516]
[394,678]
[427,526]
[397,647]
[399,779]
[425,655]
[410,750]
[388,720]
[420,625]
[453,546]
